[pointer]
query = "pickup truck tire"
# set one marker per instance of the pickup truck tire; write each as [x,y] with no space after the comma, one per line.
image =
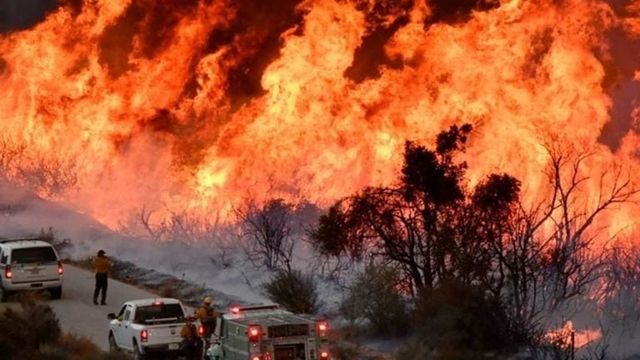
[56,292]
[113,346]
[137,355]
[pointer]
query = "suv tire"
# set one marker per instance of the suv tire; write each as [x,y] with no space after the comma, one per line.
[56,292]
[4,294]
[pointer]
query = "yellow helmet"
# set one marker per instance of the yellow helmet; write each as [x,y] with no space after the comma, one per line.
[208,300]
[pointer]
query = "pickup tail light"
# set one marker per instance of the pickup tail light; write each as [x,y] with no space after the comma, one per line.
[60,268]
[7,272]
[144,336]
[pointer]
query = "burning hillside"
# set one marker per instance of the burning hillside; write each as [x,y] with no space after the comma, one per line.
[196,104]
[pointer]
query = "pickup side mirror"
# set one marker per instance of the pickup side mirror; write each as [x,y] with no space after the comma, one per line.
[111,316]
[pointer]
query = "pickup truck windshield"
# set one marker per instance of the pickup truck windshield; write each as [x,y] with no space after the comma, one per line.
[33,255]
[159,313]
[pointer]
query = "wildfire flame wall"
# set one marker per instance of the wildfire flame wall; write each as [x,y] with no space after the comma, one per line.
[197,104]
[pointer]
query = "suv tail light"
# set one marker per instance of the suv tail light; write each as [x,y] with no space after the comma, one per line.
[324,355]
[254,333]
[60,268]
[201,330]
[144,336]
[7,272]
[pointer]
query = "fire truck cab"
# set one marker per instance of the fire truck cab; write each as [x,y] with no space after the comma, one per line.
[270,333]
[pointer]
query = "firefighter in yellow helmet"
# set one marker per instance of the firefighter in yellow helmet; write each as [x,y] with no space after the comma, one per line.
[208,318]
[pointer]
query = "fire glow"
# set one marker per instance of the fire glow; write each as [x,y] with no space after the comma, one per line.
[192,107]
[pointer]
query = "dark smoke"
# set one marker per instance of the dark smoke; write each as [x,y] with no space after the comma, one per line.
[457,11]
[621,60]
[22,14]
[152,22]
[538,51]
[3,66]
[370,56]
[255,40]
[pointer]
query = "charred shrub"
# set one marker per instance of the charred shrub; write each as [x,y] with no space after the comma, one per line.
[33,332]
[342,351]
[28,328]
[374,297]
[457,321]
[72,347]
[293,290]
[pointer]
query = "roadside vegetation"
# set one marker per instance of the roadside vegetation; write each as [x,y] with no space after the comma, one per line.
[482,273]
[456,271]
[31,331]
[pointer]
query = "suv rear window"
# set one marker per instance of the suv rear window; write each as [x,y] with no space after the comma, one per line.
[33,255]
[159,313]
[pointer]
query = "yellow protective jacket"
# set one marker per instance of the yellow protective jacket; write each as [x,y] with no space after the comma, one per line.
[101,264]
[188,332]
[206,314]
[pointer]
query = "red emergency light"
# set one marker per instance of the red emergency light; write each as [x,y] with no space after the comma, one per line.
[254,332]
[323,328]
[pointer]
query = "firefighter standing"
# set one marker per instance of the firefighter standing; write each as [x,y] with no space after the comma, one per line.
[101,265]
[190,340]
[208,318]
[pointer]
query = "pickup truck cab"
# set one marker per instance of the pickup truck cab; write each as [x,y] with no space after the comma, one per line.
[148,327]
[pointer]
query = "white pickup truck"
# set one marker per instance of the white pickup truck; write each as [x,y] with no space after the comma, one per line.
[148,327]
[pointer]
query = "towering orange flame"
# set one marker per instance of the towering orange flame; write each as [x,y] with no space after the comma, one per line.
[195,106]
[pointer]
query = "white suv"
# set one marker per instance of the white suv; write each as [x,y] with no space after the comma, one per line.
[29,264]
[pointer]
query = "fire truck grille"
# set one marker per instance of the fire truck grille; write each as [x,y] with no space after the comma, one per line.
[281,331]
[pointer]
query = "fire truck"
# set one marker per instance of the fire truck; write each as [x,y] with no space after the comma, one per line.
[270,333]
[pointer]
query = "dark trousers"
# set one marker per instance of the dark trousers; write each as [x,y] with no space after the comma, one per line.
[101,286]
[192,349]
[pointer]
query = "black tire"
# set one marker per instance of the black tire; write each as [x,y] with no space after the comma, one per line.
[4,294]
[56,292]
[113,346]
[137,355]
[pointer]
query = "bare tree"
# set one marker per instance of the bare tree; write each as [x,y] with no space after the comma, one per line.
[180,226]
[267,233]
[618,291]
[548,254]
[536,259]
[45,174]
[573,263]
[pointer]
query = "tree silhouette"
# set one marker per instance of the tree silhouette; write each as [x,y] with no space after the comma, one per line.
[428,224]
